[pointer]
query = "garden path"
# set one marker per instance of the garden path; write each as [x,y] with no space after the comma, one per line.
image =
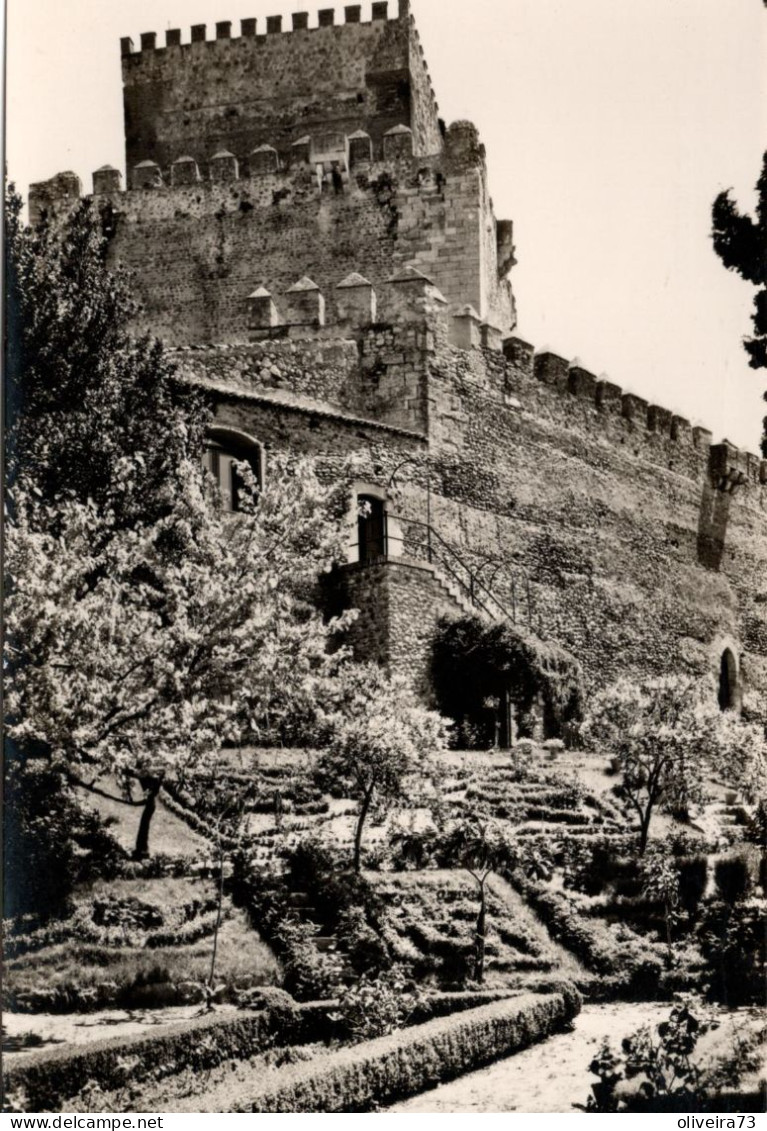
[549,1077]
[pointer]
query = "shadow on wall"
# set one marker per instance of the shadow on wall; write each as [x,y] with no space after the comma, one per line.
[712,526]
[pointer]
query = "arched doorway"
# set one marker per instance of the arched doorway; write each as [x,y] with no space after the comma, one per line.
[371,528]
[728,681]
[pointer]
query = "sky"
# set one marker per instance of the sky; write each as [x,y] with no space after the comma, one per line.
[610,127]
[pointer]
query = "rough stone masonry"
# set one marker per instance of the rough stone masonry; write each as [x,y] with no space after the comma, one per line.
[321,253]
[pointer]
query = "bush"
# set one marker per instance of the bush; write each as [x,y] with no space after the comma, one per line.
[587,866]
[364,947]
[733,938]
[622,955]
[51,842]
[390,1068]
[376,1006]
[51,1077]
[590,942]
[733,878]
[308,974]
[670,1077]
[693,877]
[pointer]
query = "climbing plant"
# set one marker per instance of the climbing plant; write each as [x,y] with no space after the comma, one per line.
[475,664]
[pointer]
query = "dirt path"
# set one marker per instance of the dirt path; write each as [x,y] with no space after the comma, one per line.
[82,1028]
[549,1077]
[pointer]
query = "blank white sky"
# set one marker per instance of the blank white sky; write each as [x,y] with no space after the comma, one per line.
[610,126]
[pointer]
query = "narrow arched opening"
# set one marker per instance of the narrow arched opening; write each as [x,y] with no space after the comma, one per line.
[728,681]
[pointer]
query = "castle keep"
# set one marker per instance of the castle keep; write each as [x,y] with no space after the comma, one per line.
[322,254]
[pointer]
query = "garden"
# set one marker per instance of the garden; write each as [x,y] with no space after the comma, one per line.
[245,871]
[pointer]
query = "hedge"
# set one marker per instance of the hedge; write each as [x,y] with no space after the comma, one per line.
[52,1076]
[359,1078]
[629,967]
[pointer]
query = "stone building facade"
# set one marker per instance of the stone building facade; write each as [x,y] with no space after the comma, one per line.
[321,253]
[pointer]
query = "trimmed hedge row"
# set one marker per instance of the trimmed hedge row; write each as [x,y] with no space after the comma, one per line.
[383,1071]
[50,1077]
[588,940]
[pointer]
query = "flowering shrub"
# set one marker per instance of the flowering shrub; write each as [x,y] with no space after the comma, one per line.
[664,1065]
[377,1006]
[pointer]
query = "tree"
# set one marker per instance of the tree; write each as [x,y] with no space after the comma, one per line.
[91,412]
[480,846]
[225,804]
[381,741]
[144,625]
[660,881]
[133,653]
[738,754]
[661,731]
[741,244]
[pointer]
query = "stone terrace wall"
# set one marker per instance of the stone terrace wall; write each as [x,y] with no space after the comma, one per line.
[235,94]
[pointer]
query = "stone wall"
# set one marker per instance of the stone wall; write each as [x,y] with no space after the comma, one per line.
[197,252]
[616,532]
[235,94]
[362,310]
[643,556]
[400,604]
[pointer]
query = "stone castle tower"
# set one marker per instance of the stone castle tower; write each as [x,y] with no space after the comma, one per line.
[322,254]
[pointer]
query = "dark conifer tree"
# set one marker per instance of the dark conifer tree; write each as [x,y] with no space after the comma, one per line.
[741,243]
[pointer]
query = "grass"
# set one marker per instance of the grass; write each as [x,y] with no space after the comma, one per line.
[431,924]
[242,958]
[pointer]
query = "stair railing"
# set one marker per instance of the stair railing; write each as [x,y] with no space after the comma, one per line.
[433,548]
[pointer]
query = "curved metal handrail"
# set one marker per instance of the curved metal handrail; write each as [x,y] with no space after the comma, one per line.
[471,584]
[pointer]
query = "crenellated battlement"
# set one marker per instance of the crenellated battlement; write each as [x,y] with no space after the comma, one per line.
[331,167]
[250,28]
[729,467]
[191,235]
[273,85]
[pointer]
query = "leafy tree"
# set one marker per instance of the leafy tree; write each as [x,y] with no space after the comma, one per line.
[128,661]
[660,880]
[144,625]
[741,244]
[381,742]
[738,755]
[91,412]
[660,731]
[481,846]
[50,842]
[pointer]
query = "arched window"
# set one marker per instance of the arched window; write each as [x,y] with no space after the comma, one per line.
[224,449]
[728,681]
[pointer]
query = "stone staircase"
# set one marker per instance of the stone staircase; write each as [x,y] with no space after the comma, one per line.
[301,904]
[452,590]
